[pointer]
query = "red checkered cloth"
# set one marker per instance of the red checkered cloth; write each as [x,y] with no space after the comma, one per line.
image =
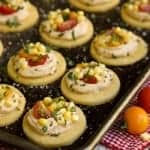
[119,139]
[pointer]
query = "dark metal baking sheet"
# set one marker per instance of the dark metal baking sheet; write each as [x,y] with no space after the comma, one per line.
[99,118]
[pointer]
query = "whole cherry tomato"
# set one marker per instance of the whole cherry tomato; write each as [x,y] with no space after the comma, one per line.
[67,25]
[37,62]
[6,10]
[136,120]
[144,99]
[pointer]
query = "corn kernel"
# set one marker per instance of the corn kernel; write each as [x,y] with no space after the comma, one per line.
[31,44]
[58,11]
[42,122]
[81,18]
[47,100]
[145,1]
[62,111]
[33,51]
[135,7]
[52,107]
[61,121]
[75,118]
[54,26]
[42,47]
[130,7]
[59,20]
[80,13]
[67,10]
[80,75]
[71,104]
[8,103]
[98,77]
[52,15]
[67,115]
[77,70]
[91,72]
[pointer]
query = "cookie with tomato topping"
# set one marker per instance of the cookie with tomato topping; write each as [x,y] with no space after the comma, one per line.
[54,122]
[118,47]
[12,103]
[17,15]
[36,64]
[66,28]
[137,13]
[96,6]
[90,84]
[1,48]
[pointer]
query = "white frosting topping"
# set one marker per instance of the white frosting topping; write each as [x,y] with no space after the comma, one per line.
[79,30]
[35,60]
[94,2]
[8,99]
[75,78]
[119,49]
[52,126]
[133,8]
[49,67]
[52,117]
[20,15]
[65,24]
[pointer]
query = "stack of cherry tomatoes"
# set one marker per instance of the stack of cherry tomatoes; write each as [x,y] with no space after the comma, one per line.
[136,117]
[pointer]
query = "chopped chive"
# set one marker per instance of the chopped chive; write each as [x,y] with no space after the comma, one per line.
[13,22]
[44,129]
[73,35]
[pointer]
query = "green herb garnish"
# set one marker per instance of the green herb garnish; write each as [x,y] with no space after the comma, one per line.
[115,37]
[26,48]
[65,16]
[61,34]
[44,129]
[56,134]
[48,48]
[72,109]
[73,35]
[113,56]
[54,115]
[13,23]
[72,76]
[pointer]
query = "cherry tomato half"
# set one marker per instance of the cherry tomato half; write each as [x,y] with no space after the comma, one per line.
[39,110]
[145,8]
[144,99]
[136,119]
[37,62]
[90,80]
[67,25]
[6,10]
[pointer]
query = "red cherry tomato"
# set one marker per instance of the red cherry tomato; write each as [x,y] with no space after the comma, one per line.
[40,111]
[90,80]
[69,24]
[144,99]
[144,8]
[36,108]
[6,10]
[39,61]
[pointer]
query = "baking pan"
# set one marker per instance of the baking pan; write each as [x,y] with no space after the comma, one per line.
[99,118]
